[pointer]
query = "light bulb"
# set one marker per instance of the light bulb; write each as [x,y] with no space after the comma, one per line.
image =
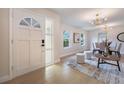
[105,19]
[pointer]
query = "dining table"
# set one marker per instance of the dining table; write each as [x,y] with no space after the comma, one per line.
[105,54]
[105,60]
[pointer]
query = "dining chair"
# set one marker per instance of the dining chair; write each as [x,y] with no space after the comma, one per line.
[113,46]
[117,50]
[95,47]
[102,45]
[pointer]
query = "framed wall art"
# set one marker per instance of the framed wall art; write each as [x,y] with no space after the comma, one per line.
[76,37]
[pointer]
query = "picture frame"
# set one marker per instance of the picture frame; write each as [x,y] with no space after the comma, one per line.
[76,37]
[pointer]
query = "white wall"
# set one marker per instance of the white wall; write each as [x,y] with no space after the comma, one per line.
[74,47]
[111,34]
[4,44]
[58,35]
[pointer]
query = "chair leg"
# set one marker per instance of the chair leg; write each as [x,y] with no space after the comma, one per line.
[118,66]
[98,63]
[93,52]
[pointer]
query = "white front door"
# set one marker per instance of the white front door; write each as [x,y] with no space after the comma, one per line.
[27,36]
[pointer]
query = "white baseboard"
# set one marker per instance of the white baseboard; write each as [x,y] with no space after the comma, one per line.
[70,53]
[57,61]
[4,78]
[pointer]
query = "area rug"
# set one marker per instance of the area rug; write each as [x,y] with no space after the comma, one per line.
[106,73]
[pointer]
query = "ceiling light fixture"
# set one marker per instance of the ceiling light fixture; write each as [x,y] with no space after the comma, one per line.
[106,27]
[99,20]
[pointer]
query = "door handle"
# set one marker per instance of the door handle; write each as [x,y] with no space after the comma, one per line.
[43,45]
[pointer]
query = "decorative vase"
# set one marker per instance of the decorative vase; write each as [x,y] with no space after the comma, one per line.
[106,51]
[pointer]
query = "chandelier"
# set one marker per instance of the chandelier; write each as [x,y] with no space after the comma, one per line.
[98,20]
[106,27]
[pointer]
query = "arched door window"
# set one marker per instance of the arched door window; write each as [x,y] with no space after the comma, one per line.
[30,22]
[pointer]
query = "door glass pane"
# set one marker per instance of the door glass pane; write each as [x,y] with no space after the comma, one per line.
[34,22]
[48,27]
[48,58]
[28,20]
[37,25]
[49,41]
[23,23]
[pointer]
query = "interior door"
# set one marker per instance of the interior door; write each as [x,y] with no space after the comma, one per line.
[27,34]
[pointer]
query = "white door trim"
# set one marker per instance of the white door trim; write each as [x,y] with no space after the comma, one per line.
[10,42]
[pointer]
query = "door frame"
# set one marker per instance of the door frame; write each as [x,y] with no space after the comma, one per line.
[10,43]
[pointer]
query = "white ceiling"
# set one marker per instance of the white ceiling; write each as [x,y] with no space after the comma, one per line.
[81,17]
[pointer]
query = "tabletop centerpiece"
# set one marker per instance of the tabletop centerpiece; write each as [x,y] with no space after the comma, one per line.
[107,44]
[107,48]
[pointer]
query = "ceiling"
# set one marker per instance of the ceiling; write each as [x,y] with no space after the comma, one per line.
[81,17]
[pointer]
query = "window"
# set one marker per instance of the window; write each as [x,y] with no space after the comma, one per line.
[102,37]
[29,22]
[66,40]
[81,39]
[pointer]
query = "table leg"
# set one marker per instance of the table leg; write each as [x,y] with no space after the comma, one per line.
[98,62]
[118,66]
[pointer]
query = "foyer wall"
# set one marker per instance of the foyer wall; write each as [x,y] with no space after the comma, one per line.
[4,42]
[74,47]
